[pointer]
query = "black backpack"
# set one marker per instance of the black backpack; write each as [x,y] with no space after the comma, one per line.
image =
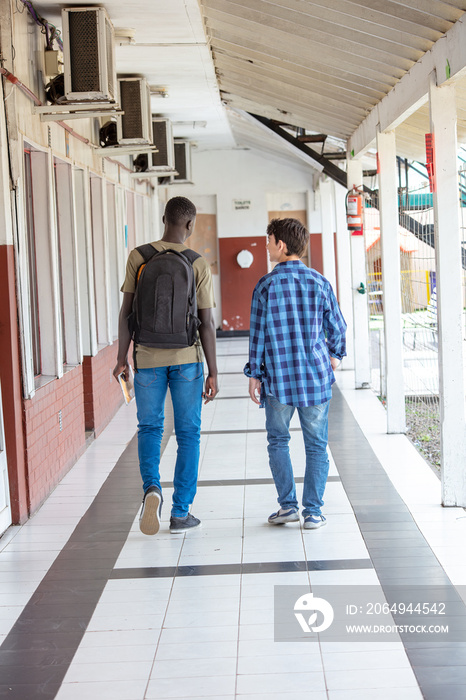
[164,311]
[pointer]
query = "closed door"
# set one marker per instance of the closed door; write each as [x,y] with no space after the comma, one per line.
[5,511]
[237,283]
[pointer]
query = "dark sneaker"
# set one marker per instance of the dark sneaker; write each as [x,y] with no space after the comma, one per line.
[312,522]
[189,522]
[149,520]
[291,515]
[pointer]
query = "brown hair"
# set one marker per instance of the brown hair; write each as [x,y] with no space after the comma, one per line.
[293,234]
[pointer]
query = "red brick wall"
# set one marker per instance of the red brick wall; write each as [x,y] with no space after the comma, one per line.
[102,394]
[50,452]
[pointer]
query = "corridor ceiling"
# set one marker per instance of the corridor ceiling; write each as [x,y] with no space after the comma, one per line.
[320,65]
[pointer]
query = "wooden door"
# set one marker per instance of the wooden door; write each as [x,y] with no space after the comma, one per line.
[237,283]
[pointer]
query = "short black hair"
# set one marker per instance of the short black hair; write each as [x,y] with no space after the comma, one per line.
[293,234]
[178,210]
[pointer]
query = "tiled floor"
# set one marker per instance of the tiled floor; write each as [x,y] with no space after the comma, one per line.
[92,609]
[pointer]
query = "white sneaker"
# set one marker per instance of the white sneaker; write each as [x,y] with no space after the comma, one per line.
[284,516]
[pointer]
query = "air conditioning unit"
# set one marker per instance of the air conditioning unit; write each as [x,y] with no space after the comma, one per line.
[182,162]
[134,126]
[163,140]
[88,54]
[164,159]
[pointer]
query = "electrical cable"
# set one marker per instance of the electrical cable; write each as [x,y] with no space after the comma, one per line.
[46,26]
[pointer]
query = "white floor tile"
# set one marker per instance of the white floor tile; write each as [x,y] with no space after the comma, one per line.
[120,638]
[290,683]
[382,694]
[309,695]
[365,660]
[201,619]
[205,687]
[204,650]
[114,654]
[123,622]
[370,678]
[199,635]
[114,690]
[281,664]
[204,667]
[108,672]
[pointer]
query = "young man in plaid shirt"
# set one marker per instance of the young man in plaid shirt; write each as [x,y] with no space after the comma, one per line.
[297,339]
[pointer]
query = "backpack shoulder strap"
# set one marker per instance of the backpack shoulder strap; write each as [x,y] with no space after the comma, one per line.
[191,255]
[147,251]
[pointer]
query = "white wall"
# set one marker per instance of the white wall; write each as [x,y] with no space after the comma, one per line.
[241,174]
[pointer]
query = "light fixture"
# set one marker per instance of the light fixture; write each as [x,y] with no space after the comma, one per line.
[125,37]
[158,90]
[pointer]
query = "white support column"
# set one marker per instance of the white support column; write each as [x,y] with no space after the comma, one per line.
[449,295]
[328,230]
[362,365]
[391,279]
[344,271]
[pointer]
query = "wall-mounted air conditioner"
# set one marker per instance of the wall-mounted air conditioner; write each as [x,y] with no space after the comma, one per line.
[164,159]
[182,162]
[134,126]
[163,140]
[88,54]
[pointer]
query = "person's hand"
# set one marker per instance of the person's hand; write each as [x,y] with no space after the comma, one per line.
[211,388]
[254,389]
[335,362]
[121,367]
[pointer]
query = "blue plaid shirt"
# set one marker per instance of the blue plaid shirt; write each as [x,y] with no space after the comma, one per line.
[296,324]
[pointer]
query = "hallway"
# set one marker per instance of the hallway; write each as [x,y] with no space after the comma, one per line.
[91,608]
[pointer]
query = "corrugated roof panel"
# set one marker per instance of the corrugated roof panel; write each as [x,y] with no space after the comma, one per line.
[321,64]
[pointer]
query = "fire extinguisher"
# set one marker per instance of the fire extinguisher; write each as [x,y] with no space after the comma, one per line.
[354,211]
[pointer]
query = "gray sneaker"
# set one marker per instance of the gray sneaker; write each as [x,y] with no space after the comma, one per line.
[291,515]
[178,525]
[149,519]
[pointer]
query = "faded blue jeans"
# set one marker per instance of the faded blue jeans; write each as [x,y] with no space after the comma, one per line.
[314,424]
[186,384]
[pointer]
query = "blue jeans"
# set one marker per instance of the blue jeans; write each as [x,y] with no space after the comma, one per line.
[314,424]
[186,384]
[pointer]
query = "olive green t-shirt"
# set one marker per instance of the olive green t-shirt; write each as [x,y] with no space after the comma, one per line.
[164,357]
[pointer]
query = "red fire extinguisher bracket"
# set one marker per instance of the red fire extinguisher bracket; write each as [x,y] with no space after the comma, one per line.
[355,212]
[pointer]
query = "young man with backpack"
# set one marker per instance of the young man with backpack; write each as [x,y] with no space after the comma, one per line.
[167,295]
[297,339]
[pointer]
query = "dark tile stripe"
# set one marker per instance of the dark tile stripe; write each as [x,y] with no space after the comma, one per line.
[242,432]
[231,398]
[266,567]
[398,549]
[40,647]
[242,482]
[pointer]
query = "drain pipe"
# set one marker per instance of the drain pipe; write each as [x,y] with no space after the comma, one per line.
[16,81]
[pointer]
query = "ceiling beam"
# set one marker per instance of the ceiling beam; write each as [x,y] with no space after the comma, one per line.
[346,123]
[447,58]
[334,19]
[364,83]
[313,123]
[290,90]
[289,77]
[336,52]
[318,29]
[327,167]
